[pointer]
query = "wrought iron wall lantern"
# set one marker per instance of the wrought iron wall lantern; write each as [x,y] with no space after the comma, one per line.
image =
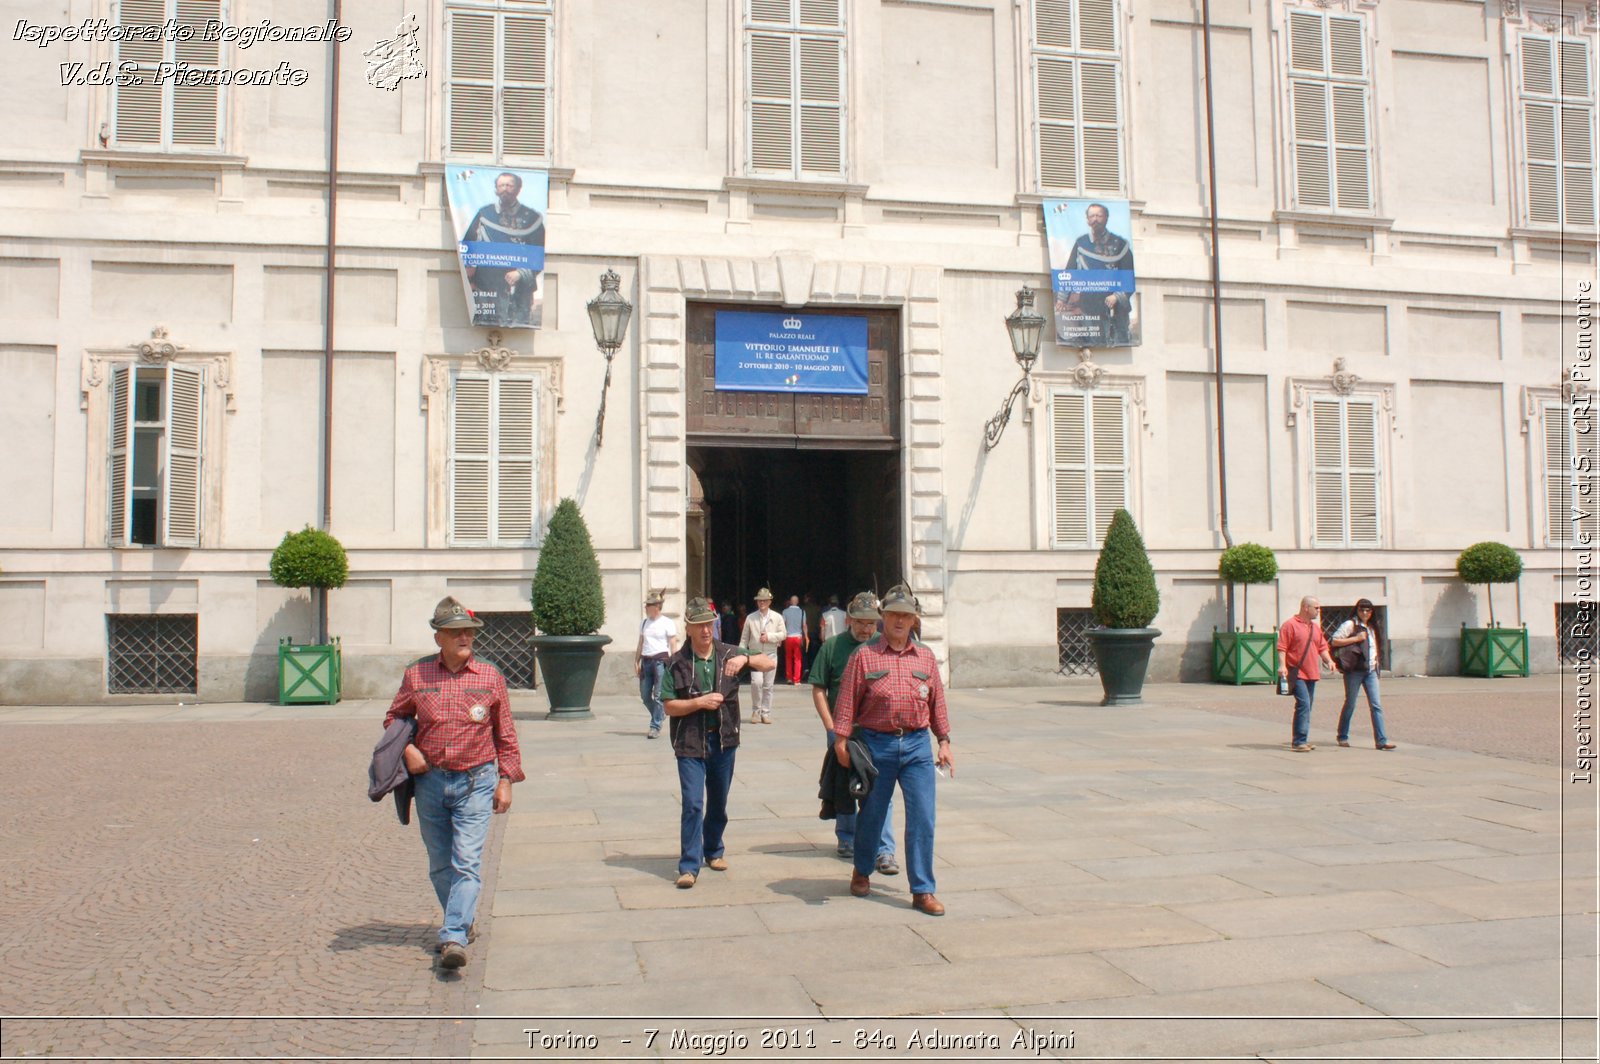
[1024,327]
[608,316]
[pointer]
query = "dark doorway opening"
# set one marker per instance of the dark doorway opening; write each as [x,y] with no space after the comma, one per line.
[824,521]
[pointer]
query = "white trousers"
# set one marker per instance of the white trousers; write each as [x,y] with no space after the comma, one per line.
[761,692]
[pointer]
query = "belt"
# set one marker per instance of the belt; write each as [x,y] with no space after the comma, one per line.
[654,657]
[898,732]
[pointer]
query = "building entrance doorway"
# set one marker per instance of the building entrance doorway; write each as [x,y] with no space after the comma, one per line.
[796,491]
[820,522]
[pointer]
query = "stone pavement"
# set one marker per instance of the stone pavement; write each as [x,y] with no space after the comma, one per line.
[1167,880]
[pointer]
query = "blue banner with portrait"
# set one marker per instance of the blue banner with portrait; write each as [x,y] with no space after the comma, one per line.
[499,215]
[762,351]
[1091,272]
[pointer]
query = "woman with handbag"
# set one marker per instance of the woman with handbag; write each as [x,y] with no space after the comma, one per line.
[1355,644]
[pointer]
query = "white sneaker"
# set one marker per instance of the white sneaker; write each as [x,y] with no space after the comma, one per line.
[653,732]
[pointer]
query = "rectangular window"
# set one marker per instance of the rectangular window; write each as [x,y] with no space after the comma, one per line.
[1074,657]
[1088,465]
[1345,472]
[167,111]
[1329,111]
[1077,83]
[152,654]
[795,87]
[1563,522]
[494,465]
[1558,129]
[497,98]
[155,456]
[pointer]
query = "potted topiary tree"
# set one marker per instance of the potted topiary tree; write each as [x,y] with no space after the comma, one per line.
[1125,601]
[568,609]
[313,559]
[1492,651]
[1240,657]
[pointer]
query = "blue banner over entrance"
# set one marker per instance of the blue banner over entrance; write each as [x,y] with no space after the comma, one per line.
[762,351]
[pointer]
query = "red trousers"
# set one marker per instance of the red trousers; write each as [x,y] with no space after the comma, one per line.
[792,661]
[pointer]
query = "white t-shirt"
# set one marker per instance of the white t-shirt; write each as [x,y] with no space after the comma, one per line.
[658,635]
[834,621]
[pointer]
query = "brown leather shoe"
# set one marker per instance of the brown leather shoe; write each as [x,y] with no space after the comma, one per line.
[686,880]
[860,885]
[453,955]
[927,903]
[718,864]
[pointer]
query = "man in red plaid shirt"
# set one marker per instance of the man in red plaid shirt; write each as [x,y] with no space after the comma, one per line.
[890,698]
[463,760]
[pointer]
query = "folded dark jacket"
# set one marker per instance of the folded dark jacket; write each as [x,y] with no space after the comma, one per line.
[388,773]
[842,789]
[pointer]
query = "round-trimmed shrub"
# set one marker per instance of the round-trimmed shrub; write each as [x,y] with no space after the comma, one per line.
[567,598]
[1248,563]
[1489,563]
[309,558]
[1125,594]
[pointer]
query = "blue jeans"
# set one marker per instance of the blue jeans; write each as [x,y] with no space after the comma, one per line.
[704,783]
[844,825]
[907,760]
[650,690]
[1304,692]
[1368,682]
[453,811]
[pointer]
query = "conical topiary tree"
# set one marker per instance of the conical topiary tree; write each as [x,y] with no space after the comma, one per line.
[1247,563]
[567,598]
[310,558]
[1489,563]
[1125,594]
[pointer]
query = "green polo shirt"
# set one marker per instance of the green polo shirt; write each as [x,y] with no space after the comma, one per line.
[828,669]
[705,674]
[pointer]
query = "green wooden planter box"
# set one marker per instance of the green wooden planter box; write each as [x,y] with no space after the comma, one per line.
[1244,657]
[309,673]
[1494,651]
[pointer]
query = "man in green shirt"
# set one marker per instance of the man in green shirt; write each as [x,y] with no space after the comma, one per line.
[826,673]
[701,691]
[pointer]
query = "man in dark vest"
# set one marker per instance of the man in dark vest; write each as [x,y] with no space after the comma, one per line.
[701,692]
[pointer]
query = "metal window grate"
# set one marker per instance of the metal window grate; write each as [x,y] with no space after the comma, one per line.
[1334,616]
[1575,632]
[1073,656]
[504,641]
[152,655]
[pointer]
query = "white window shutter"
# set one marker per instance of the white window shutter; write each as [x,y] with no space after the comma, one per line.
[1557,475]
[1352,170]
[1052,24]
[822,14]
[515,459]
[1327,472]
[196,109]
[139,117]
[1577,165]
[470,104]
[772,102]
[1538,68]
[1307,51]
[1069,470]
[1539,146]
[1102,126]
[119,508]
[524,84]
[1097,25]
[1575,68]
[1110,456]
[776,11]
[1055,81]
[821,105]
[185,388]
[1361,443]
[470,417]
[1347,53]
[1312,169]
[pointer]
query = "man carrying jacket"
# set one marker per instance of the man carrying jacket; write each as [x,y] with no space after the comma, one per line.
[701,692]
[463,760]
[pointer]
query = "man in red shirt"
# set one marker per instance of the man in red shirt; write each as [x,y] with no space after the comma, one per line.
[464,759]
[1302,648]
[890,699]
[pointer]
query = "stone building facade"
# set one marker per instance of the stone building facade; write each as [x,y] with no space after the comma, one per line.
[1406,218]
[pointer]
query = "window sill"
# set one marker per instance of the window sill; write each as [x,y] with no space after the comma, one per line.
[819,186]
[158,158]
[1367,222]
[1557,235]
